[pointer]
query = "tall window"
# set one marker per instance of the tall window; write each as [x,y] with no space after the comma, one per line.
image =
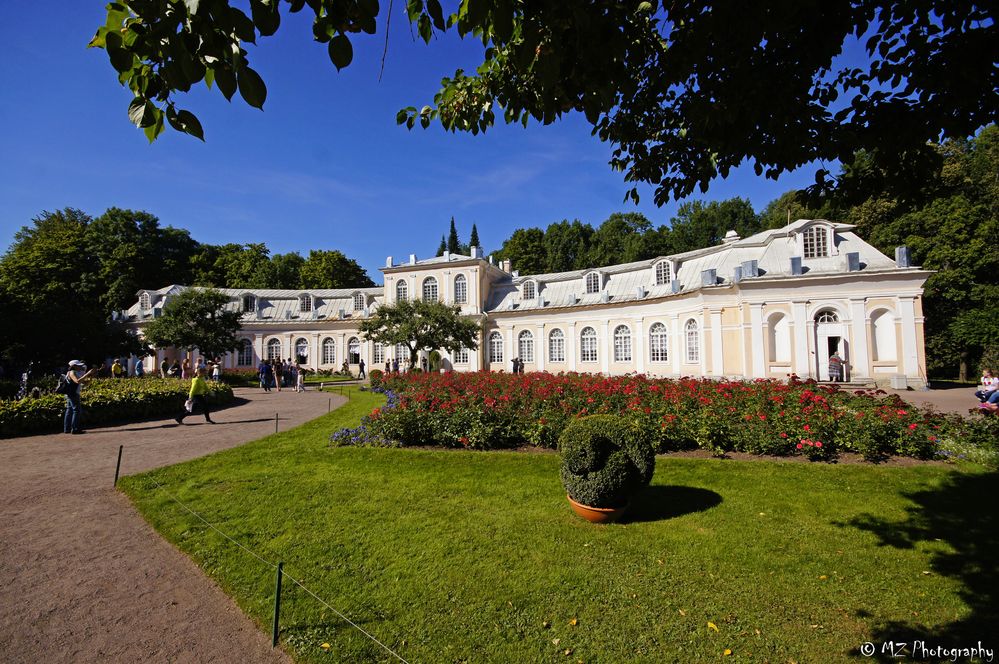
[305,303]
[354,350]
[244,357]
[461,355]
[378,353]
[663,274]
[693,342]
[274,349]
[329,351]
[827,317]
[460,289]
[593,282]
[658,343]
[249,303]
[430,289]
[525,346]
[529,292]
[358,301]
[402,353]
[302,350]
[145,303]
[816,242]
[588,345]
[401,291]
[495,347]
[556,346]
[622,344]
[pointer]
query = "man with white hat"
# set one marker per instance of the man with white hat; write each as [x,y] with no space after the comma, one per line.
[75,377]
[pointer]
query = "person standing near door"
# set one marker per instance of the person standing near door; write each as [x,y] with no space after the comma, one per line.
[835,367]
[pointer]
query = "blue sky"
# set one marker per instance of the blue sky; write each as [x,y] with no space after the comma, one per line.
[324,166]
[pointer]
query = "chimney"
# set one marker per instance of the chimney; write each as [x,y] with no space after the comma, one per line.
[341,314]
[604,296]
[506,265]
[675,287]
[731,237]
[903,257]
[737,274]
[573,299]
[796,265]
[515,273]
[853,261]
[388,261]
[475,252]
[412,259]
[490,259]
[750,269]
[447,256]
[709,277]
[639,292]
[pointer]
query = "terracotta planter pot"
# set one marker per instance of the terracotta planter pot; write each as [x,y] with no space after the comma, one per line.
[596,514]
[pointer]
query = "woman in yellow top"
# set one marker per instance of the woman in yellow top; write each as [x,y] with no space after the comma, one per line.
[199,388]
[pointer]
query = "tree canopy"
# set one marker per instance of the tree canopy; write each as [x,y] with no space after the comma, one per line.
[420,325]
[684,91]
[196,318]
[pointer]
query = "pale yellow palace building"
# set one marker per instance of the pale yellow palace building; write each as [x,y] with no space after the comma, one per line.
[778,302]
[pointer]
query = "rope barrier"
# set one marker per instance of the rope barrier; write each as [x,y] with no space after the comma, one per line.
[275,566]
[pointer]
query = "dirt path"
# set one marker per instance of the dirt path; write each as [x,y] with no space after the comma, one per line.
[85,579]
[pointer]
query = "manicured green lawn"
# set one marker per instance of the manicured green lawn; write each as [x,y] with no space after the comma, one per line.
[455,556]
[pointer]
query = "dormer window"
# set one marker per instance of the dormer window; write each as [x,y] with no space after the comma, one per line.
[358,301]
[593,282]
[145,302]
[664,273]
[529,290]
[304,303]
[249,303]
[815,242]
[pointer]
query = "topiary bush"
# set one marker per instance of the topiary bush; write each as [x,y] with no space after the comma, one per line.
[375,377]
[605,460]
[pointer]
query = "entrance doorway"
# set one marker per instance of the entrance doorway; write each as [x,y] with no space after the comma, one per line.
[830,337]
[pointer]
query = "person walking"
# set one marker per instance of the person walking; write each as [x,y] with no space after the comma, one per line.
[175,369]
[388,366]
[300,379]
[217,371]
[197,397]
[360,374]
[263,369]
[139,370]
[395,365]
[835,367]
[75,377]
[117,371]
[164,368]
[185,368]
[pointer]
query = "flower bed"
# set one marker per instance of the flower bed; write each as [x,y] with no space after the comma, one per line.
[498,410]
[104,400]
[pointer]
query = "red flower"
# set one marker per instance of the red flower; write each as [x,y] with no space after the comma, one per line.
[799,446]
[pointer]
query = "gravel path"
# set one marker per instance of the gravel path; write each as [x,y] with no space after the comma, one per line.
[86,579]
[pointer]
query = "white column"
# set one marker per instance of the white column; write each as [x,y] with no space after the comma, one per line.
[677,345]
[802,360]
[606,346]
[638,345]
[473,292]
[511,346]
[447,295]
[539,349]
[570,346]
[314,357]
[258,347]
[859,359]
[717,356]
[910,353]
[342,355]
[758,348]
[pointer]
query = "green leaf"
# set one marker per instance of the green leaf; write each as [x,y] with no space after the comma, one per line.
[226,80]
[266,16]
[141,112]
[425,28]
[251,87]
[155,129]
[341,51]
[121,59]
[186,122]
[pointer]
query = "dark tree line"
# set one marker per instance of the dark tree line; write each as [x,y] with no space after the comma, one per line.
[454,245]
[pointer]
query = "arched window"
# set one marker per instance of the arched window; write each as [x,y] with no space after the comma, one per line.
[274,349]
[249,303]
[358,301]
[430,289]
[885,347]
[528,291]
[460,289]
[693,337]
[354,350]
[304,303]
[401,291]
[827,317]
[461,355]
[588,345]
[815,241]
[244,357]
[780,339]
[658,343]
[663,273]
[622,344]
[329,351]
[378,353]
[495,347]
[593,282]
[525,346]
[556,346]
[302,351]
[145,302]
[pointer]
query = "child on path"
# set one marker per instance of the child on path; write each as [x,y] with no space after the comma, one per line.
[990,384]
[300,380]
[199,388]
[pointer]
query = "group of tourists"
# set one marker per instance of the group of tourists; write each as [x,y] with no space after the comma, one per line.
[988,395]
[275,374]
[210,368]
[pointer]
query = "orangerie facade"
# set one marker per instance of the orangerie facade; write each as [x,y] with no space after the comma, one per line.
[778,302]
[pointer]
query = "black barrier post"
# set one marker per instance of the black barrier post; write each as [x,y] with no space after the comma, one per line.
[275,422]
[277,606]
[329,409]
[117,467]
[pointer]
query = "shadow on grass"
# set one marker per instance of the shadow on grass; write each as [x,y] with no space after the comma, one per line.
[657,503]
[961,514]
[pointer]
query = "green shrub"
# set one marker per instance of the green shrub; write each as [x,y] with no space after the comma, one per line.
[104,401]
[375,377]
[605,460]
